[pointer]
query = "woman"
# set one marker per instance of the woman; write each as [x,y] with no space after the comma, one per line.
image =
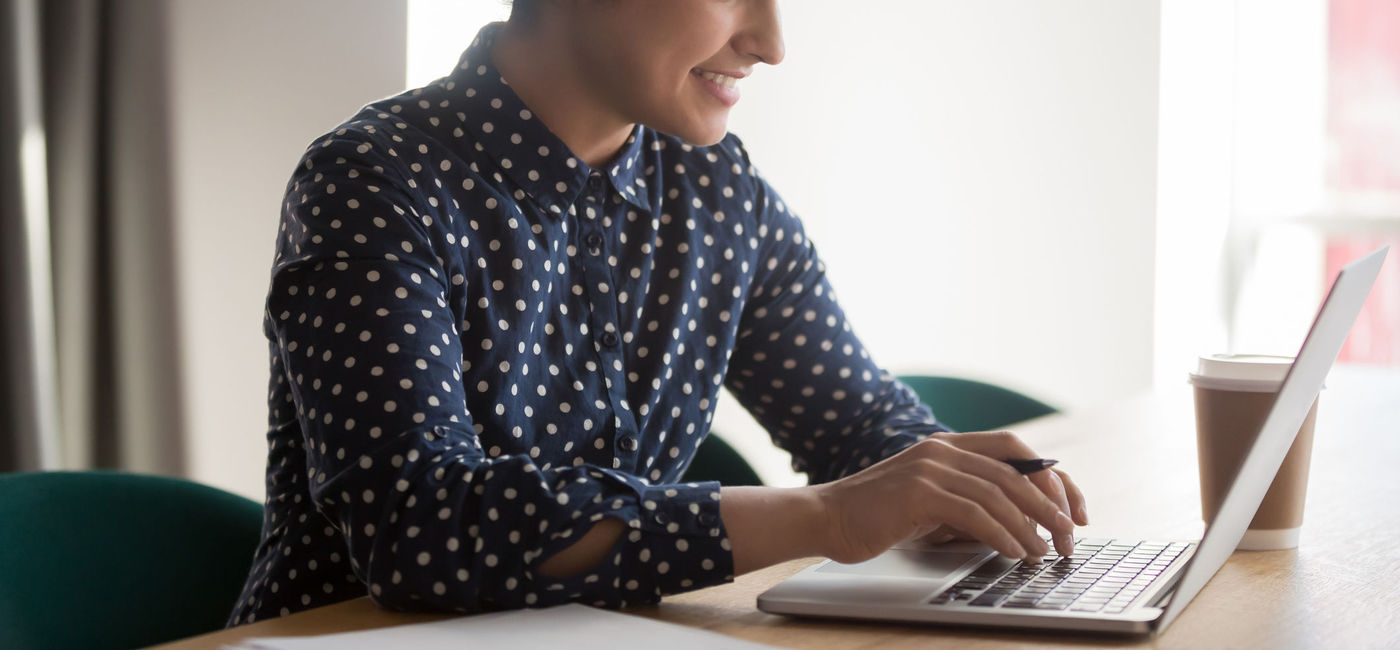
[502,309]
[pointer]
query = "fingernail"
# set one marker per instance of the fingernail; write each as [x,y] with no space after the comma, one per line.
[1084,514]
[1064,521]
[1016,551]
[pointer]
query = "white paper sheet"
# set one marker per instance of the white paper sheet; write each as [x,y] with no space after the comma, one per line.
[569,627]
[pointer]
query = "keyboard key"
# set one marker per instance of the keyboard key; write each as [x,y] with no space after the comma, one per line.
[988,600]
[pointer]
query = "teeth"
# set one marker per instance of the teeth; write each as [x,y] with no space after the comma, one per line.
[723,80]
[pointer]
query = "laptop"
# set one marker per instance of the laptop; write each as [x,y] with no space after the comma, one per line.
[1108,585]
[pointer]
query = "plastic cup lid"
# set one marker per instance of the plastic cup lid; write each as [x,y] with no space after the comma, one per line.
[1241,371]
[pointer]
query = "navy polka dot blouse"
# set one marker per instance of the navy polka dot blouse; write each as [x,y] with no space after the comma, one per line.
[480,347]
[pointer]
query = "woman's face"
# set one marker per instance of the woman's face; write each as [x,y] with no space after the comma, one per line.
[674,65]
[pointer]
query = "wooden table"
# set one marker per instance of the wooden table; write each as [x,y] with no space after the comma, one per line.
[1136,462]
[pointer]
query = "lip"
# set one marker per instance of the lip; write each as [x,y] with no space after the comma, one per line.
[726,96]
[737,74]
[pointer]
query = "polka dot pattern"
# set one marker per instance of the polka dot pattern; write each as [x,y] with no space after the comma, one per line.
[480,347]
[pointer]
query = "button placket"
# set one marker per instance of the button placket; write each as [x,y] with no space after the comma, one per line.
[600,286]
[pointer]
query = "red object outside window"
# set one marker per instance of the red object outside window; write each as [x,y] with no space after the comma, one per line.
[1363,128]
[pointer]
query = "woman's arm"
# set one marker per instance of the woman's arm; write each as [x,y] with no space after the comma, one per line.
[935,482]
[766,526]
[800,369]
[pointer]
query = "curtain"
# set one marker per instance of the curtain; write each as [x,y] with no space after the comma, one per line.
[112,320]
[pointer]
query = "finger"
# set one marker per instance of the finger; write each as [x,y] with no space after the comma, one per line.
[988,483]
[964,536]
[982,454]
[1032,502]
[1004,444]
[1049,483]
[929,533]
[998,445]
[994,501]
[1076,498]
[969,516]
[939,538]
[944,533]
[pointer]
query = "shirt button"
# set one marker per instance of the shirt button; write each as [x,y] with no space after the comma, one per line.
[628,443]
[661,518]
[594,241]
[595,182]
[609,339]
[706,519]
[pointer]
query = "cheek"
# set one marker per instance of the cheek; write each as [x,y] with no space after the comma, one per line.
[656,84]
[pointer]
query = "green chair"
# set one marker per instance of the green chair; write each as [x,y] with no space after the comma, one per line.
[970,405]
[113,560]
[715,460]
[960,404]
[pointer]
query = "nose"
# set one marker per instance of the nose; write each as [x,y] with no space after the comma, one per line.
[762,36]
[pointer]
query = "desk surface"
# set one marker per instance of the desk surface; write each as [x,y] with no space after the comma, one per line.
[1335,590]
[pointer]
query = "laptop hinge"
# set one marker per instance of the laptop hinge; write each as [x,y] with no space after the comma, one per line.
[1168,588]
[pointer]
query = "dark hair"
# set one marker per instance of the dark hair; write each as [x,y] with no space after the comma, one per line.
[523,10]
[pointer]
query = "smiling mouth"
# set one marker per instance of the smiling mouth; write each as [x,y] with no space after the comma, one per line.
[723,80]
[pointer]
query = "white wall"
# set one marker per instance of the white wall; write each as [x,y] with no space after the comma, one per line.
[979,177]
[1196,181]
[440,30]
[1242,143]
[252,83]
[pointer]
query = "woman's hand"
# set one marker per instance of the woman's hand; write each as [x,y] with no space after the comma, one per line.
[945,533]
[952,482]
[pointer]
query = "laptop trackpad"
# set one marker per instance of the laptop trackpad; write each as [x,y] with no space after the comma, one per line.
[907,563]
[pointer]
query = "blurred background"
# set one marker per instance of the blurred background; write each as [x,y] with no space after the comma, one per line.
[1071,198]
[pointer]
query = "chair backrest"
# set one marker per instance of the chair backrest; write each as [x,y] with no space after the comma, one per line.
[113,560]
[970,405]
[715,460]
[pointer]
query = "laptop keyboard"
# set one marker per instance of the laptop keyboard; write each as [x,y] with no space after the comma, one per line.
[1103,575]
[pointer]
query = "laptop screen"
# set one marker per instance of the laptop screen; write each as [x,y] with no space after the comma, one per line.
[1300,387]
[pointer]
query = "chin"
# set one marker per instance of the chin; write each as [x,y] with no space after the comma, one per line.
[703,136]
[701,130]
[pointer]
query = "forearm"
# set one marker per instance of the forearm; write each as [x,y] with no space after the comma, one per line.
[766,526]
[586,553]
[769,525]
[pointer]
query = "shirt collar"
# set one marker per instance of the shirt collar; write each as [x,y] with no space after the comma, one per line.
[534,158]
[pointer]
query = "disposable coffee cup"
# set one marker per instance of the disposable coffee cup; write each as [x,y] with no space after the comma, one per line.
[1234,393]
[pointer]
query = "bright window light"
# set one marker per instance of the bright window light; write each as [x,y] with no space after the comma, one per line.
[440,30]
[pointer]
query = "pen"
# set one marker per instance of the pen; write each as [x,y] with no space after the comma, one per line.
[1030,465]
